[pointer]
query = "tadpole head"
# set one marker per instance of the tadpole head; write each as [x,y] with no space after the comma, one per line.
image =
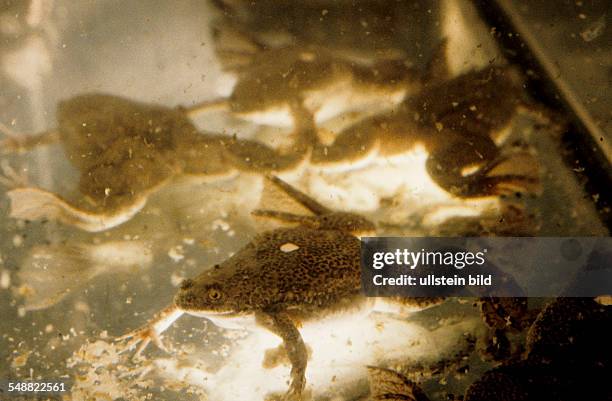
[203,294]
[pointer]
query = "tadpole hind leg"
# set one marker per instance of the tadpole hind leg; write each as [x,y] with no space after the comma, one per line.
[280,324]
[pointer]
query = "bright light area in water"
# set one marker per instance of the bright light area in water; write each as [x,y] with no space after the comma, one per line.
[342,346]
[465,32]
[405,177]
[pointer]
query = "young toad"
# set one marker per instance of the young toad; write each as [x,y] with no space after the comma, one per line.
[276,80]
[460,123]
[126,150]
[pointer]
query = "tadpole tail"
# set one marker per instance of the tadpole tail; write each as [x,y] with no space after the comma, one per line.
[51,272]
[308,202]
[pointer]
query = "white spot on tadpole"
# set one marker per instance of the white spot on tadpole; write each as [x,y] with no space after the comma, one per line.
[289,247]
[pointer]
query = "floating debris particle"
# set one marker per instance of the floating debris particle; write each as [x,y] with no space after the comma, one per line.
[21,359]
[222,224]
[176,279]
[81,306]
[176,253]
[594,30]
[17,241]
[5,279]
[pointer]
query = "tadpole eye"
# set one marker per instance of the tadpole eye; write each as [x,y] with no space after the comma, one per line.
[214,294]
